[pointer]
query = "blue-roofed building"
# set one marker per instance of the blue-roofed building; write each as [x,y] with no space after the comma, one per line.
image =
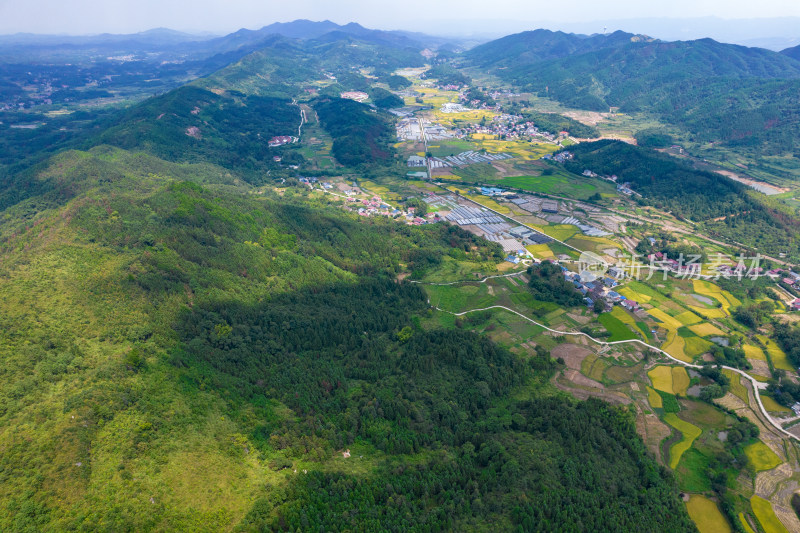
[491,191]
[513,259]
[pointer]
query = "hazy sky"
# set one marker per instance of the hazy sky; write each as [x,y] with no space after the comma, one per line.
[127,16]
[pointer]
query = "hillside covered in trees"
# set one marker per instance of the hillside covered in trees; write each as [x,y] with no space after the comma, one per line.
[723,206]
[259,335]
[184,348]
[743,97]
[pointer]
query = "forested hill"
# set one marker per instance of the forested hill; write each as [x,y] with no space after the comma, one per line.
[169,336]
[743,97]
[724,207]
[641,76]
[540,45]
[228,117]
[794,52]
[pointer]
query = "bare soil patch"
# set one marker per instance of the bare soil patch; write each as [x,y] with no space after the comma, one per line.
[579,379]
[572,354]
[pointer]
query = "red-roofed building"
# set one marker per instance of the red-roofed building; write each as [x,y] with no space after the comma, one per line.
[280,141]
[630,305]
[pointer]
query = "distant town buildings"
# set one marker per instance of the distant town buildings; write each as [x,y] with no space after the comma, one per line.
[358,96]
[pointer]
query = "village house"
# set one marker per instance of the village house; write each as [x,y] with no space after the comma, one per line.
[280,141]
[630,305]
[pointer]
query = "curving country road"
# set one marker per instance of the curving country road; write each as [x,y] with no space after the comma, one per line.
[756,385]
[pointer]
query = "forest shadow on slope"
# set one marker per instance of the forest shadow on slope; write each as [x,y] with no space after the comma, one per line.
[353,365]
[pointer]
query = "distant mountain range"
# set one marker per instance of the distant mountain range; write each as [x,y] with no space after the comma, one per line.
[164,44]
[155,37]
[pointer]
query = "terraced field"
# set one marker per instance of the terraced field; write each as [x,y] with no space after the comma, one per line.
[656,402]
[680,381]
[745,524]
[706,515]
[670,379]
[641,293]
[623,316]
[689,431]
[754,352]
[761,457]
[687,318]
[778,356]
[737,388]
[766,516]
[773,406]
[706,329]
[709,290]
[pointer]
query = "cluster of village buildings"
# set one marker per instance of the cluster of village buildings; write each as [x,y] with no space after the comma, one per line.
[512,127]
[601,289]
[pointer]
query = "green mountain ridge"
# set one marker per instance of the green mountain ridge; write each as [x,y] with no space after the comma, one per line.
[541,45]
[716,92]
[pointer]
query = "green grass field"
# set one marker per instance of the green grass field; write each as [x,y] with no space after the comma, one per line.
[692,472]
[480,172]
[451,147]
[456,298]
[560,232]
[559,184]
[618,330]
[626,318]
